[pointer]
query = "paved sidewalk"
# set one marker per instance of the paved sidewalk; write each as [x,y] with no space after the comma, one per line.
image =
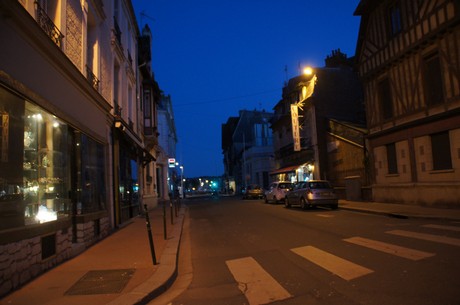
[401,210]
[122,266]
[127,250]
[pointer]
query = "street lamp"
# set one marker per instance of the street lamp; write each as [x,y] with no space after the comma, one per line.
[308,71]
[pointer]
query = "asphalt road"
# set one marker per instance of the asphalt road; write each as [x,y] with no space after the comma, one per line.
[246,252]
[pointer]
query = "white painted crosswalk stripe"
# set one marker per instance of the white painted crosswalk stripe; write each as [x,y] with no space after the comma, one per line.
[339,266]
[448,228]
[258,285]
[325,215]
[404,252]
[429,237]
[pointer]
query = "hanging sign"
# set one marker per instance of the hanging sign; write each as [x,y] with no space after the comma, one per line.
[295,126]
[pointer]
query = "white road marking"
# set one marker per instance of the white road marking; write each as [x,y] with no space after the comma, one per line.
[258,285]
[429,237]
[325,215]
[404,252]
[339,266]
[450,228]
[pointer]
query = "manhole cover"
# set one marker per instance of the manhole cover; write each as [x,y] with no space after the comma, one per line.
[101,282]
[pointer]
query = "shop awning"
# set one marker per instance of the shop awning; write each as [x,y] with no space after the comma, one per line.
[284,170]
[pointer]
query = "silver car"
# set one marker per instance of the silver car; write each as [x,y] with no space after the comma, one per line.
[277,191]
[312,193]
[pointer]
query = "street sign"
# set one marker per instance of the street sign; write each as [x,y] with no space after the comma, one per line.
[172,162]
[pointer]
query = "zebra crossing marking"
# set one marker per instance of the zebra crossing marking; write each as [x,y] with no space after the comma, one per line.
[339,266]
[449,228]
[258,286]
[429,237]
[404,252]
[325,215]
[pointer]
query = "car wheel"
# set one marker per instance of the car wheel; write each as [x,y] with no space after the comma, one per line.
[287,204]
[335,206]
[266,199]
[303,204]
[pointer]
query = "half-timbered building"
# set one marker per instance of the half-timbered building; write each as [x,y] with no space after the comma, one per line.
[408,55]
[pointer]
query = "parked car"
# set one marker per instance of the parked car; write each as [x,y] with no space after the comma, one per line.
[253,191]
[312,193]
[277,191]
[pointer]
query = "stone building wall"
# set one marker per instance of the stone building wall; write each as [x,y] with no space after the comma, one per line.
[23,260]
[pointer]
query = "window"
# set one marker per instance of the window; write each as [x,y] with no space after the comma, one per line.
[433,80]
[34,172]
[92,175]
[385,98]
[263,134]
[395,19]
[147,113]
[440,147]
[391,159]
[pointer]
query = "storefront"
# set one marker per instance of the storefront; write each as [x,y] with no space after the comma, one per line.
[49,171]
[294,174]
[129,160]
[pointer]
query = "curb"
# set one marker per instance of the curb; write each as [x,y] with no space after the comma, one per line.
[163,277]
[400,215]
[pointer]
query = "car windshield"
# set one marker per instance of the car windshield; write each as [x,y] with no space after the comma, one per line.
[319,185]
[285,185]
[254,187]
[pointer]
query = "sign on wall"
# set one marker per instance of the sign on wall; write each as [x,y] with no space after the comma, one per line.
[295,126]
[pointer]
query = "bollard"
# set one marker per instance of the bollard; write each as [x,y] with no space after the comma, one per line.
[164,221]
[149,233]
[176,205]
[172,214]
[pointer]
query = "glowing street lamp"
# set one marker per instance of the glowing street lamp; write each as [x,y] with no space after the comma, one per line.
[308,71]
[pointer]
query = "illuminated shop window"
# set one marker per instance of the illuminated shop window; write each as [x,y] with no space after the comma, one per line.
[45,167]
[34,167]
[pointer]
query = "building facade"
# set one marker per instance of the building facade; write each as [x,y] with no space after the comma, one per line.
[72,145]
[154,177]
[330,120]
[408,59]
[247,149]
[167,148]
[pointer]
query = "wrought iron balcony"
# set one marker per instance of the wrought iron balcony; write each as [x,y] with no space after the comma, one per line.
[94,81]
[48,25]
[117,109]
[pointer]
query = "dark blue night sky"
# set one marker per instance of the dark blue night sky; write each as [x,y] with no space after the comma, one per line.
[217,57]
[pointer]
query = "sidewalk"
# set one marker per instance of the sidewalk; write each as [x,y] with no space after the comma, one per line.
[125,273]
[401,210]
[117,270]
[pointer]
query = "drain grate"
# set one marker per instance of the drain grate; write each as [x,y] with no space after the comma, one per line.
[101,282]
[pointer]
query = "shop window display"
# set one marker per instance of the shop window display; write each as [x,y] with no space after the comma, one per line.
[46,186]
[34,170]
[45,165]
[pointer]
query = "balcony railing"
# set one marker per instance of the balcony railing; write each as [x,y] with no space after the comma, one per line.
[117,109]
[48,25]
[93,80]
